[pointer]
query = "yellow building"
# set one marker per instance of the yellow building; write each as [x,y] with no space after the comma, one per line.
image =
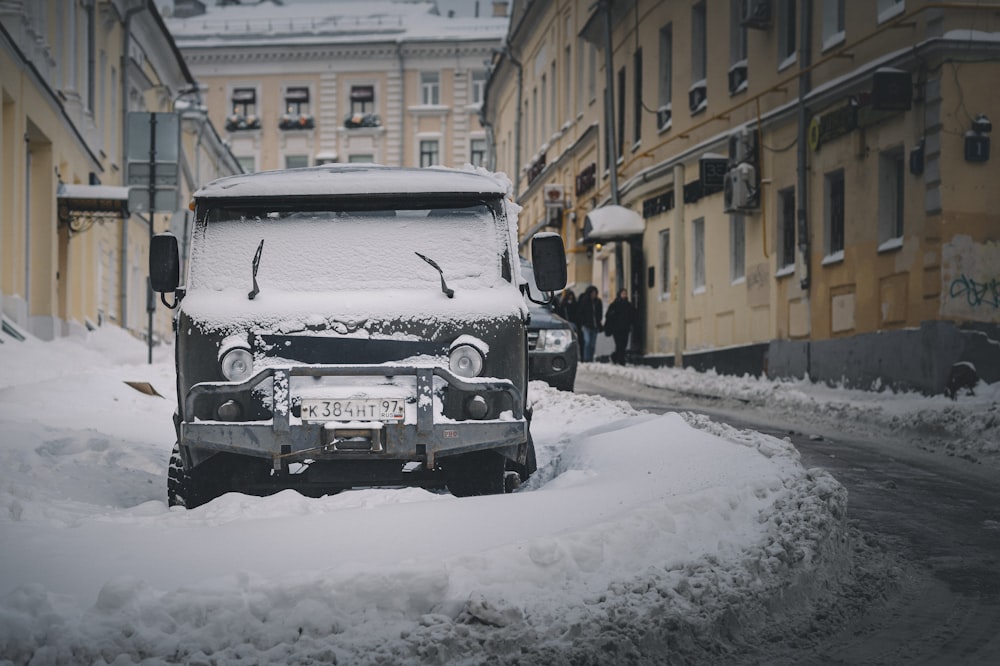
[72,256]
[309,83]
[800,187]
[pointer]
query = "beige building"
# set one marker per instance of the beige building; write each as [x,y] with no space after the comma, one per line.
[72,257]
[367,81]
[799,186]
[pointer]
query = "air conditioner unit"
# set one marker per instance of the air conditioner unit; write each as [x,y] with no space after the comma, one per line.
[740,193]
[757,14]
[743,146]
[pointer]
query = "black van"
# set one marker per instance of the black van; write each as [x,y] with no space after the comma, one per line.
[345,326]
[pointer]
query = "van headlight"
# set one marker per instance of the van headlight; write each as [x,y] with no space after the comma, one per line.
[554,339]
[465,361]
[237,364]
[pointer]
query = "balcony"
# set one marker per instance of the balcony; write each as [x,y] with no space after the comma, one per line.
[295,121]
[238,122]
[359,120]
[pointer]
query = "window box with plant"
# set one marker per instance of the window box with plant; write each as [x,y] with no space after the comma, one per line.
[293,121]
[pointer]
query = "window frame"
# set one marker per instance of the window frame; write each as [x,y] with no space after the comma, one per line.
[891,197]
[430,88]
[786,230]
[787,34]
[737,248]
[834,214]
[664,245]
[698,264]
[664,112]
[434,156]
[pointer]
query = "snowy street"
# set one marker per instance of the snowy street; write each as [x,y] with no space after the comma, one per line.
[643,538]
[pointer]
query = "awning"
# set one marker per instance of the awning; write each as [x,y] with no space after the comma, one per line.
[82,205]
[609,223]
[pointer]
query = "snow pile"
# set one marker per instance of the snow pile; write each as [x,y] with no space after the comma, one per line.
[968,426]
[642,538]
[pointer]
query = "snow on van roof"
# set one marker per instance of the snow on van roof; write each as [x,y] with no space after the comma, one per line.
[354,179]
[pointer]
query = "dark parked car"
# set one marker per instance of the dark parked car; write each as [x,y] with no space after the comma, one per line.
[553,349]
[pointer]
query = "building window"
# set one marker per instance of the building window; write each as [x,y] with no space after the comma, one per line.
[430,88]
[665,264]
[698,248]
[361,158]
[592,74]
[663,113]
[541,111]
[890,195]
[244,102]
[244,105]
[889,8]
[362,100]
[477,152]
[296,161]
[786,227]
[833,23]
[553,98]
[833,194]
[297,101]
[247,163]
[786,33]
[737,248]
[698,92]
[478,86]
[621,113]
[429,152]
[637,95]
[91,51]
[534,116]
[737,48]
[567,83]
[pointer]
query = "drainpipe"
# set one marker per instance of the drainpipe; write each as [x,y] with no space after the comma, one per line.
[123,268]
[805,59]
[680,252]
[402,98]
[517,118]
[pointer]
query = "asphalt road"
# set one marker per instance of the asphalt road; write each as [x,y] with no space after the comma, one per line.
[937,517]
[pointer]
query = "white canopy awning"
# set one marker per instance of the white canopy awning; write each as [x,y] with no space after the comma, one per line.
[612,222]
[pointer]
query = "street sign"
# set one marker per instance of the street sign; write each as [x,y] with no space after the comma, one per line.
[152,171]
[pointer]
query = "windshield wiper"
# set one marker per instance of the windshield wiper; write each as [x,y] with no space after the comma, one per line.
[450,293]
[256,265]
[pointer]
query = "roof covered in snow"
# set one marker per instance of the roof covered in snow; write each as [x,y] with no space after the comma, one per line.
[339,179]
[327,22]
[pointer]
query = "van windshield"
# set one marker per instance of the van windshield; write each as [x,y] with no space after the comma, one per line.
[346,250]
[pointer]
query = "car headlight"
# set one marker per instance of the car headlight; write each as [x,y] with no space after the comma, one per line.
[465,361]
[237,364]
[554,339]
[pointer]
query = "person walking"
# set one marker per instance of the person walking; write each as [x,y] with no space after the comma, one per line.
[618,323]
[590,313]
[566,308]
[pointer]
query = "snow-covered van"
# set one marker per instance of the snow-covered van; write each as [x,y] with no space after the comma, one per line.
[345,326]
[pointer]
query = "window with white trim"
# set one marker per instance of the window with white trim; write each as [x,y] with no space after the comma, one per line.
[362,99]
[891,178]
[833,23]
[665,264]
[477,152]
[698,250]
[430,88]
[833,212]
[664,112]
[429,155]
[478,85]
[737,247]
[737,48]
[296,161]
[786,33]
[698,92]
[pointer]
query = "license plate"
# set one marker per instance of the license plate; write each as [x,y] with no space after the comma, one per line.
[369,409]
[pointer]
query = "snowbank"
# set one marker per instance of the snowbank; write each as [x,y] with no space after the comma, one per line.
[641,538]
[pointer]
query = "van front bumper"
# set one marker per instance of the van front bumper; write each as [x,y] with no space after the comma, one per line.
[423,436]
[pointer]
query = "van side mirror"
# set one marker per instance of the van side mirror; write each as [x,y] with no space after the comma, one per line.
[164,263]
[548,256]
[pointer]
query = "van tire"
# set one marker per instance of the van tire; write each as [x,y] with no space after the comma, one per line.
[186,489]
[477,473]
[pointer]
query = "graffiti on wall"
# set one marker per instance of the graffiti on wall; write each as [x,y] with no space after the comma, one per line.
[970,276]
[977,294]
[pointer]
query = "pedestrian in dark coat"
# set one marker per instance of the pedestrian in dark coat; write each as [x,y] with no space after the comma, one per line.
[589,315]
[619,321]
[566,306]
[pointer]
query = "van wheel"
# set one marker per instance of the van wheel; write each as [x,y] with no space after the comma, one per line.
[186,489]
[478,473]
